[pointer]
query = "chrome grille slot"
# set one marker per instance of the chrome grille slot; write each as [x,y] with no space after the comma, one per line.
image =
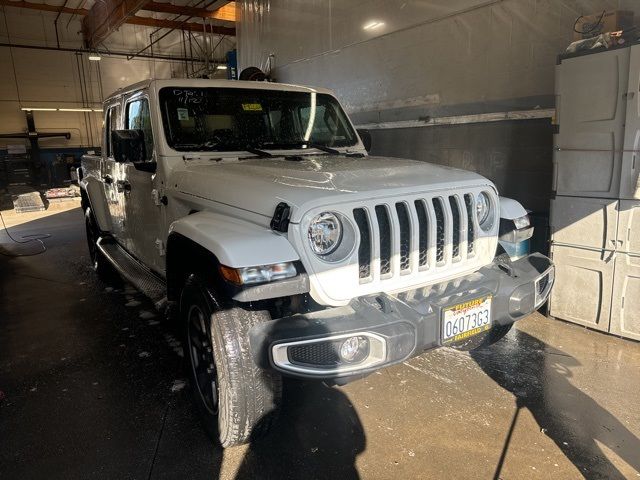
[384,226]
[471,233]
[364,250]
[440,229]
[455,218]
[423,237]
[405,235]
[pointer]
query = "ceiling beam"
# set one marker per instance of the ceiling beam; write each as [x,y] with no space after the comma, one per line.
[44,7]
[179,25]
[105,17]
[226,12]
[144,21]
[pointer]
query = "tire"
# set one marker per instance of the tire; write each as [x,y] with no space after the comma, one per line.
[492,336]
[236,400]
[99,263]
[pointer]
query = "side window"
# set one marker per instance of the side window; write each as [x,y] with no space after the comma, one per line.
[111,123]
[139,118]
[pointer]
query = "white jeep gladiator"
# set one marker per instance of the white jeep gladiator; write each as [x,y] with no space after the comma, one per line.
[255,209]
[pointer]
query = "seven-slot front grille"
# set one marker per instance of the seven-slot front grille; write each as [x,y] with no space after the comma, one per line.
[424,234]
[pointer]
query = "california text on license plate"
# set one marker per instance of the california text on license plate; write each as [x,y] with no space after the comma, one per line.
[467,319]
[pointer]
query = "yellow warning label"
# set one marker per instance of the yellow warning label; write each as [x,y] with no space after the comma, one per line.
[473,303]
[252,107]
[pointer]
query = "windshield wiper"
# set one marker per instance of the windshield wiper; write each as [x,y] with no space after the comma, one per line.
[257,151]
[302,144]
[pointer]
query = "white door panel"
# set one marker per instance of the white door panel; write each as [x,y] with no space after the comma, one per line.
[583,286]
[625,310]
[629,227]
[588,161]
[586,222]
[630,179]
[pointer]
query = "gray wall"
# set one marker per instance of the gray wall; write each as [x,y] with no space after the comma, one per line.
[516,155]
[435,58]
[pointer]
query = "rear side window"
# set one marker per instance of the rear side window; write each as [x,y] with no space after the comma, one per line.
[139,118]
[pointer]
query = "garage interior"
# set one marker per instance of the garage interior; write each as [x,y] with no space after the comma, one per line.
[92,375]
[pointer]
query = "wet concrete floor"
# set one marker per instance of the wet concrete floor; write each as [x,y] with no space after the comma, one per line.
[93,386]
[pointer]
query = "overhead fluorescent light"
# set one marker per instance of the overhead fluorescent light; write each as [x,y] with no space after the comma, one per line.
[95,58]
[64,109]
[221,67]
[374,24]
[38,109]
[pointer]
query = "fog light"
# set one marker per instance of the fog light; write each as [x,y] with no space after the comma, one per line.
[354,349]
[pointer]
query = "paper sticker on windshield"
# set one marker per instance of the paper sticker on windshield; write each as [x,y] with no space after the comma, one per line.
[252,107]
[183,113]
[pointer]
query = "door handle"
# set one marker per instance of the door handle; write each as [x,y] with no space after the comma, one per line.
[108,179]
[123,186]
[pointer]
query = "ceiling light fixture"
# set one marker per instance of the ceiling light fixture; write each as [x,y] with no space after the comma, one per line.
[64,109]
[74,110]
[373,25]
[221,67]
[94,57]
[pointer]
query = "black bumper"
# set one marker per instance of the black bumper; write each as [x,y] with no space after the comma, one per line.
[407,324]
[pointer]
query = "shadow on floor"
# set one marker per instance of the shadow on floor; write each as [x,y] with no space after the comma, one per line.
[539,375]
[319,436]
[89,374]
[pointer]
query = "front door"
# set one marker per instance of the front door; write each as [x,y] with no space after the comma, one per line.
[142,209]
[109,172]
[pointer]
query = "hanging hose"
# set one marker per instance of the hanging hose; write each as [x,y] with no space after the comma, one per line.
[38,237]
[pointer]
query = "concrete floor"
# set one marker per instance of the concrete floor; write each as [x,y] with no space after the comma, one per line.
[93,388]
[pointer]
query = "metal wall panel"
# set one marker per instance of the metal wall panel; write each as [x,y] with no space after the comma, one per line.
[629,227]
[630,176]
[591,105]
[625,309]
[583,286]
[585,222]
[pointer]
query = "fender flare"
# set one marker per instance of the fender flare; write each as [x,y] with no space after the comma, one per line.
[95,196]
[510,209]
[235,242]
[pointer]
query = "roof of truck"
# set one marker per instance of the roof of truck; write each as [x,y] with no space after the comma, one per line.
[202,83]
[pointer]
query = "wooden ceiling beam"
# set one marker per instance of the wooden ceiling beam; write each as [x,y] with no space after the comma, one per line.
[226,12]
[178,25]
[134,20]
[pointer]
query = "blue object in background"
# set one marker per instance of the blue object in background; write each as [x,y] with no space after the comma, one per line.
[232,65]
[517,250]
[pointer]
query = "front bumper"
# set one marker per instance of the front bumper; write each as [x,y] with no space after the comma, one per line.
[396,327]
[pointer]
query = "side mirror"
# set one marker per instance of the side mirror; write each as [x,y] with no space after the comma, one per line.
[365,136]
[128,146]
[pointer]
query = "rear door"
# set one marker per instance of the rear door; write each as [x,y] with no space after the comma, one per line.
[142,210]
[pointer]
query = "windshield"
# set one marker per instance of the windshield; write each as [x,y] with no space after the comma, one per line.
[228,119]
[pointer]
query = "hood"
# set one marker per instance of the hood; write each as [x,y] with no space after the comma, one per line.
[259,184]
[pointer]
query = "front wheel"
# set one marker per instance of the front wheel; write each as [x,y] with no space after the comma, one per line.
[236,400]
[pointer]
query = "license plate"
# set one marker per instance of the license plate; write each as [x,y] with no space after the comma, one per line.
[467,319]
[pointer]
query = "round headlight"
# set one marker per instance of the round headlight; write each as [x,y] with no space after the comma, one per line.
[325,233]
[483,208]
